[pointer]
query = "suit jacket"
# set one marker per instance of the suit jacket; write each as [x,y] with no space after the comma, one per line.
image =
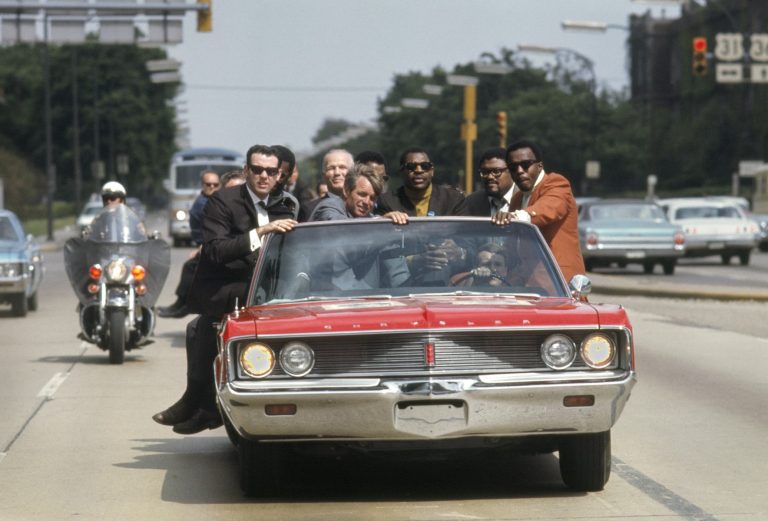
[443,201]
[226,260]
[477,204]
[553,210]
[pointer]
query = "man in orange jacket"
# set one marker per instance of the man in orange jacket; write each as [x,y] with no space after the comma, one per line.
[545,200]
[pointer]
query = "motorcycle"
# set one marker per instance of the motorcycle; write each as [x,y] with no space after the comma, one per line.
[117,272]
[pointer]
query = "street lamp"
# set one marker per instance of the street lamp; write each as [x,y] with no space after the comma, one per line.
[590,65]
[590,26]
[469,127]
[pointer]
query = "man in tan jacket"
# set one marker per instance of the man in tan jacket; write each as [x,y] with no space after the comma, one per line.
[545,200]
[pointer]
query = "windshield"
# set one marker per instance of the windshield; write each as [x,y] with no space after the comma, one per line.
[373,257]
[8,230]
[118,225]
[644,212]
[188,176]
[708,212]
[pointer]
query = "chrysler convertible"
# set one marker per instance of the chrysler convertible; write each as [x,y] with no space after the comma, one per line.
[441,334]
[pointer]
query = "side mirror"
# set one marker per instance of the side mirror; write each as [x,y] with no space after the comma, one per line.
[581,286]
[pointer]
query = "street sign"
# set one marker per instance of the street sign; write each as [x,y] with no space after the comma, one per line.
[729,46]
[165,77]
[758,73]
[593,169]
[758,47]
[729,73]
[163,65]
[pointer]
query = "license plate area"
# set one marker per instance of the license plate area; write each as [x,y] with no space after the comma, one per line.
[635,254]
[431,418]
[716,245]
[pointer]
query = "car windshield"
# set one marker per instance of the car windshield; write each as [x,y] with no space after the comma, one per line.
[708,212]
[93,210]
[613,212]
[8,230]
[117,225]
[375,258]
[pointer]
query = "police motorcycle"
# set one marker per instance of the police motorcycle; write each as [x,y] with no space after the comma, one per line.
[117,272]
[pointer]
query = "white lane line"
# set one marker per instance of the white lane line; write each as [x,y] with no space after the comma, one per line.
[52,386]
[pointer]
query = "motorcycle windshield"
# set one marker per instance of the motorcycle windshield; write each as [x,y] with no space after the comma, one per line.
[117,235]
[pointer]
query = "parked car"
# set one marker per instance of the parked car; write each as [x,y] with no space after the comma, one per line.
[629,231]
[350,342]
[713,227]
[21,265]
[89,213]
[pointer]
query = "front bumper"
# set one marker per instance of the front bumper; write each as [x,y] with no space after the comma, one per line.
[428,408]
[630,253]
[714,244]
[180,229]
[14,285]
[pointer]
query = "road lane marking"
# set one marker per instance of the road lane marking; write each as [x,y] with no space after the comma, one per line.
[659,493]
[52,386]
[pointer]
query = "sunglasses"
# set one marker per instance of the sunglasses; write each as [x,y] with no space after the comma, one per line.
[212,185]
[525,164]
[425,166]
[495,172]
[258,170]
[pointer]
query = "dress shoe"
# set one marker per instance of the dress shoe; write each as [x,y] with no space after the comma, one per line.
[173,311]
[199,421]
[180,411]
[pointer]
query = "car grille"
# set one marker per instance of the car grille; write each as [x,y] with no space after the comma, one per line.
[405,354]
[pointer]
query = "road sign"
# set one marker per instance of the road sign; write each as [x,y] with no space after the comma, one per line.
[729,46]
[758,47]
[592,169]
[729,73]
[758,73]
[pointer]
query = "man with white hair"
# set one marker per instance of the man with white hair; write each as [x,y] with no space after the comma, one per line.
[336,164]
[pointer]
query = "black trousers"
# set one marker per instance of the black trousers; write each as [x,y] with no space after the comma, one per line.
[201,352]
[187,275]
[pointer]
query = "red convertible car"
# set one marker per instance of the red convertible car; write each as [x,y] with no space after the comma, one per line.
[442,333]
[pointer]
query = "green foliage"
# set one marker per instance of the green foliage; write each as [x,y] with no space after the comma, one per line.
[120,112]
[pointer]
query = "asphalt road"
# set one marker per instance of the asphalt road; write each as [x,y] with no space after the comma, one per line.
[77,441]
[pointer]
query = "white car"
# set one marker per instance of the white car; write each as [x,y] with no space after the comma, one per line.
[89,213]
[713,227]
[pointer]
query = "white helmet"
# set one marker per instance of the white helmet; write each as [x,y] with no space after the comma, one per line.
[113,189]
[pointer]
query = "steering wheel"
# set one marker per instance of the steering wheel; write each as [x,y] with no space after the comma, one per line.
[471,273]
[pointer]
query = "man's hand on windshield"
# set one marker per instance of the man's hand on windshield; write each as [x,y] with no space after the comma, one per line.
[397,217]
[278,226]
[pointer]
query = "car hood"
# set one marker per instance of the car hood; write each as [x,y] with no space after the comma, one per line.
[633,227]
[12,252]
[417,313]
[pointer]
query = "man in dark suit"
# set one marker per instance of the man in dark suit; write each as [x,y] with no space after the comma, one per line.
[498,185]
[235,220]
[419,196]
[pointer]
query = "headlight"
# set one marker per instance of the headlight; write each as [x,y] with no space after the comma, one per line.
[117,271]
[297,359]
[11,269]
[598,351]
[558,352]
[180,215]
[257,360]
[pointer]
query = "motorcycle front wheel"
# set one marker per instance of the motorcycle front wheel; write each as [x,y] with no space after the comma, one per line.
[116,321]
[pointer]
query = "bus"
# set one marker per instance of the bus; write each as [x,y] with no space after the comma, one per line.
[183,184]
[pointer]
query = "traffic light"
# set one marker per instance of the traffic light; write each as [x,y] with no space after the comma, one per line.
[204,17]
[501,128]
[699,56]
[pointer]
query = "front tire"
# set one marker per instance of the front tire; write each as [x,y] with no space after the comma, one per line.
[262,468]
[19,305]
[585,461]
[32,302]
[116,322]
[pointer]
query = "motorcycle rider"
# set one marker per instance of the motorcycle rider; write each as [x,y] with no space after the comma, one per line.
[112,194]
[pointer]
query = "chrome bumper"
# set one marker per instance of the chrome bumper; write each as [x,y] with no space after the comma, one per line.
[14,285]
[428,408]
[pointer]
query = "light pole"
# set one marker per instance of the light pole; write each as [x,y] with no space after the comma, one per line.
[590,65]
[469,127]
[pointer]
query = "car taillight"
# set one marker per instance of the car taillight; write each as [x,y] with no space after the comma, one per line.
[592,239]
[679,239]
[95,271]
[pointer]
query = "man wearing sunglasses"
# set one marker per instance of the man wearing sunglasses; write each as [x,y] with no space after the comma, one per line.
[209,184]
[419,196]
[498,185]
[235,220]
[545,200]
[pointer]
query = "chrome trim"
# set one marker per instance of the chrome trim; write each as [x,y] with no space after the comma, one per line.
[325,383]
[429,331]
[537,378]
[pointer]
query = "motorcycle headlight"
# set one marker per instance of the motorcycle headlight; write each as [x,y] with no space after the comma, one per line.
[297,359]
[558,352]
[117,271]
[598,351]
[257,360]
[180,215]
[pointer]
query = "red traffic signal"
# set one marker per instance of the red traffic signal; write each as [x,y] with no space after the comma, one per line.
[699,61]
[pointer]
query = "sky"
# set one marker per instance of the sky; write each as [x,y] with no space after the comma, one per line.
[272,71]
